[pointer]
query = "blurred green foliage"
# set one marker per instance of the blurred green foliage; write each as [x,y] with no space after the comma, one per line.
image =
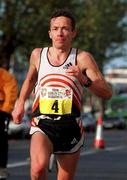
[24,26]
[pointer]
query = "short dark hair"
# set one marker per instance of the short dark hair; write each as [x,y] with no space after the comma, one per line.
[66,13]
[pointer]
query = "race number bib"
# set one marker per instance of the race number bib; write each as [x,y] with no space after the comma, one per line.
[55,100]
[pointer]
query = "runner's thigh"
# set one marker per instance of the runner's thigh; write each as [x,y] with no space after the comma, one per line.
[40,149]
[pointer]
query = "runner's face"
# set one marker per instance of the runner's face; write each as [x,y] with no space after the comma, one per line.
[61,32]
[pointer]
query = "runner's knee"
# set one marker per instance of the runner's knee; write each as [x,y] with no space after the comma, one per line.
[38,168]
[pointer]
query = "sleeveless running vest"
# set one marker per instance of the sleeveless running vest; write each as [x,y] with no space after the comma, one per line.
[55,92]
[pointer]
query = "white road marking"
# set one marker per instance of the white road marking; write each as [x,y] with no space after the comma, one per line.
[115,148]
[18,164]
[83,153]
[93,151]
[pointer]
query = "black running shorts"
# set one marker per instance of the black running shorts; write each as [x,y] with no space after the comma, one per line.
[65,134]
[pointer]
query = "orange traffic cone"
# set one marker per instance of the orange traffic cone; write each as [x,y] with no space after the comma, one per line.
[99,141]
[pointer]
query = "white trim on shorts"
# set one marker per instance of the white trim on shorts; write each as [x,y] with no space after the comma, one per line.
[35,129]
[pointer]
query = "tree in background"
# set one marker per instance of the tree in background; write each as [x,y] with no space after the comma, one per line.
[102,27]
[24,26]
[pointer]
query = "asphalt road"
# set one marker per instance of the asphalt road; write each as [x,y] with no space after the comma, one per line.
[109,163]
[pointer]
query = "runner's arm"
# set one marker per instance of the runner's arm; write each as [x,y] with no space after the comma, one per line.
[99,86]
[27,87]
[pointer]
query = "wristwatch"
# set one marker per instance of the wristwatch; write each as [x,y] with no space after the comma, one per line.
[87,82]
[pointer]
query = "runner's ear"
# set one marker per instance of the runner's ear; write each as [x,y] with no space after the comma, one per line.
[49,32]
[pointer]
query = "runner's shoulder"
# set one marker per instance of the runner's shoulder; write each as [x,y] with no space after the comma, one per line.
[84,54]
[35,57]
[84,58]
[35,52]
